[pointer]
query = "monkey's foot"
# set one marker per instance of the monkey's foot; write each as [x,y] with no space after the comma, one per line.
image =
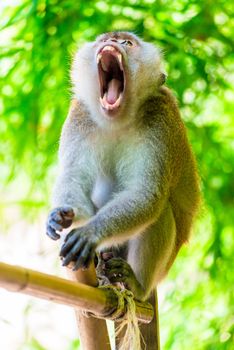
[117,270]
[58,219]
[99,261]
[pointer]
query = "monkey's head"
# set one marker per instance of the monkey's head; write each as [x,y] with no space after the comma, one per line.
[114,75]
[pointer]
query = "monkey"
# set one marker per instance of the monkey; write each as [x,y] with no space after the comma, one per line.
[127,173]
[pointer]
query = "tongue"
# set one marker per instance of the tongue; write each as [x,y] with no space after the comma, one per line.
[113,91]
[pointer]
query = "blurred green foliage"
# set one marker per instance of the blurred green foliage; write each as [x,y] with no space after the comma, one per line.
[37,39]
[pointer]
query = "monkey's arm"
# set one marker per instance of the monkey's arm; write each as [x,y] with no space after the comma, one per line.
[128,213]
[71,189]
[70,201]
[71,198]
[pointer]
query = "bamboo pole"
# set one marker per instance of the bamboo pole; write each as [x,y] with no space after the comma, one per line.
[150,333]
[102,303]
[93,332]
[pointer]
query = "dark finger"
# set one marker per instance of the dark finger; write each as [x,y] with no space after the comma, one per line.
[68,245]
[70,234]
[74,252]
[88,261]
[79,264]
[55,215]
[51,233]
[55,225]
[84,258]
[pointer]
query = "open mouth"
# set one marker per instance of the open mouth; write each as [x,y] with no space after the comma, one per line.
[111,78]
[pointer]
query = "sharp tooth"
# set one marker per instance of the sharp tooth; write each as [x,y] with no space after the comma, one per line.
[119,56]
[101,101]
[99,59]
[99,56]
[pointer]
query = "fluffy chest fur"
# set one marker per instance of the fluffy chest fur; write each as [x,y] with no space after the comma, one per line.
[113,164]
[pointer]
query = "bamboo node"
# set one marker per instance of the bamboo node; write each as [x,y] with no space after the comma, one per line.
[119,311]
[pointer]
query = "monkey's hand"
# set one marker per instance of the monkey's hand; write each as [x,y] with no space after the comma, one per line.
[117,270]
[79,247]
[58,219]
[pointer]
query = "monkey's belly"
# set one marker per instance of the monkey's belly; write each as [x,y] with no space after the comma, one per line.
[102,191]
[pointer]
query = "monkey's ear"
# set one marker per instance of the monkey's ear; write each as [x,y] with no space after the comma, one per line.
[162,78]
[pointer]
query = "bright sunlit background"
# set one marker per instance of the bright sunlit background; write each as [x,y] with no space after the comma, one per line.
[37,39]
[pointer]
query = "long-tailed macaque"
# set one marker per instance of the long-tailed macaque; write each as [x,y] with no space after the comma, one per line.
[126,167]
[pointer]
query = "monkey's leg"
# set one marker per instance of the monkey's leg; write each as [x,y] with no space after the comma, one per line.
[150,252]
[148,256]
[93,332]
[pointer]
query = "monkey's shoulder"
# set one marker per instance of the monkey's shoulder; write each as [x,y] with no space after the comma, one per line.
[78,120]
[161,106]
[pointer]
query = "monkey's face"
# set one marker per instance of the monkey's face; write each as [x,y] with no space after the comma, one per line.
[114,75]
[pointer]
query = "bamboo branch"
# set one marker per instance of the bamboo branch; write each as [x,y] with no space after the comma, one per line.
[93,332]
[102,303]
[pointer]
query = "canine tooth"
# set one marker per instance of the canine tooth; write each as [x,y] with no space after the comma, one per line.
[119,56]
[101,101]
[99,56]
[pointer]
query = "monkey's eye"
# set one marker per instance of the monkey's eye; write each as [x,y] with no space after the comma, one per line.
[126,42]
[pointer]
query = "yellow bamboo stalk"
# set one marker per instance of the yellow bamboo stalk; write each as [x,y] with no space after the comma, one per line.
[102,303]
[93,332]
